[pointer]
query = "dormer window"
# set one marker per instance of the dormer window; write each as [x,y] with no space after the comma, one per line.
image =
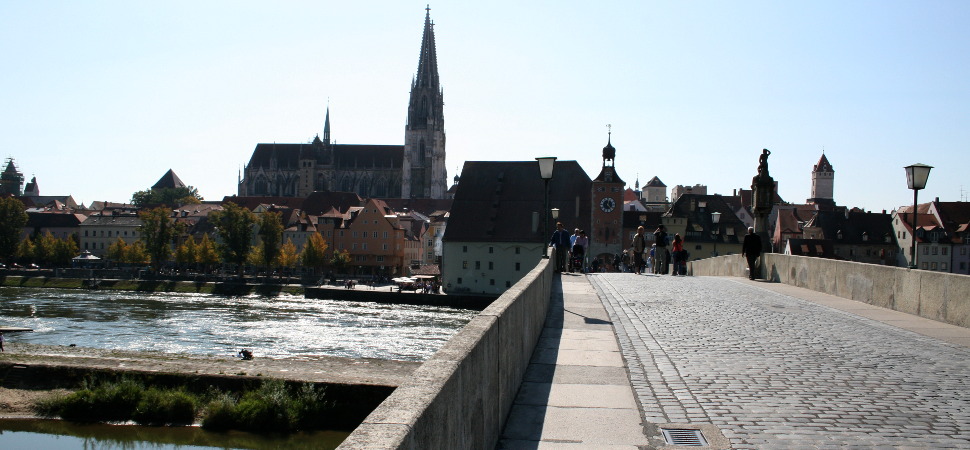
[865,237]
[838,235]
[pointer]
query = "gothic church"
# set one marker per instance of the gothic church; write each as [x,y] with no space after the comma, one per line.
[414,170]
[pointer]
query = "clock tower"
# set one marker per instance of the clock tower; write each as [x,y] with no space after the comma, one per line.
[605,236]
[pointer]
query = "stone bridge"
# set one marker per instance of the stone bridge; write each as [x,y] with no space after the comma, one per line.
[825,355]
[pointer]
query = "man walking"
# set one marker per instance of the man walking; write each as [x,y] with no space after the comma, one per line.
[560,240]
[660,252]
[639,246]
[751,249]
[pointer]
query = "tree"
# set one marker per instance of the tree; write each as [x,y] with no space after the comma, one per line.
[65,250]
[157,232]
[340,260]
[117,252]
[255,256]
[12,220]
[235,227]
[287,257]
[25,250]
[271,234]
[206,252]
[45,248]
[137,254]
[314,253]
[187,253]
[166,196]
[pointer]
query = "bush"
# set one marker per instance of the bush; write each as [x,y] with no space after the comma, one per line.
[270,408]
[220,413]
[108,402]
[161,407]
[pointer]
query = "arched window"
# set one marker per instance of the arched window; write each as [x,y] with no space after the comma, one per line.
[422,152]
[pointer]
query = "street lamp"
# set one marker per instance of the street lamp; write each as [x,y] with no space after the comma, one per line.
[716,218]
[546,165]
[916,175]
[555,213]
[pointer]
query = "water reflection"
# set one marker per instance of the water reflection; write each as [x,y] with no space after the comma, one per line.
[283,326]
[56,434]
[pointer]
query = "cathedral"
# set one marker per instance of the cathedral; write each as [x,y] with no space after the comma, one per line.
[413,170]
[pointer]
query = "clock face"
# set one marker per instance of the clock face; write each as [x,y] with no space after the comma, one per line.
[607,204]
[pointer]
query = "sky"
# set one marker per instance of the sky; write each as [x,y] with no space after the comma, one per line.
[98,99]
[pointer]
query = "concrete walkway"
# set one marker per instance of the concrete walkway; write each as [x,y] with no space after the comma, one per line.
[576,392]
[746,364]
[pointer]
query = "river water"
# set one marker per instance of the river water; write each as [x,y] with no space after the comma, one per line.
[284,326]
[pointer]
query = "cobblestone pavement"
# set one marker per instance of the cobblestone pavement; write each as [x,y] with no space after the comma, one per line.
[774,371]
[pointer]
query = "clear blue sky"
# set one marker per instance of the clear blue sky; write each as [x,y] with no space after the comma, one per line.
[100,98]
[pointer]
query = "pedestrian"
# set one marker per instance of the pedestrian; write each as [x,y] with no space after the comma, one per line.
[751,249]
[560,240]
[580,245]
[639,245]
[677,251]
[652,259]
[660,236]
[1,342]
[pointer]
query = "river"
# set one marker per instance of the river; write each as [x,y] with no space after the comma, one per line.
[284,326]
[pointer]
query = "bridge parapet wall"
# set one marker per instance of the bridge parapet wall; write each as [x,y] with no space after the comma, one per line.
[944,297]
[460,397]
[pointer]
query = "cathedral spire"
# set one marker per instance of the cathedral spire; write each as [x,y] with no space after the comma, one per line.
[428,61]
[326,127]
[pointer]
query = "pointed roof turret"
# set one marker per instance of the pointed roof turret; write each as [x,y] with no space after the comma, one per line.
[823,165]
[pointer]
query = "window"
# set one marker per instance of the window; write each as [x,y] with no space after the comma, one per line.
[516,250]
[354,247]
[384,247]
[943,266]
[935,250]
[491,249]
[380,259]
[697,247]
[926,250]
[464,249]
[518,266]
[355,234]
[341,233]
[491,281]
[85,233]
[459,280]
[375,235]
[926,265]
[363,246]
[943,251]
[478,265]
[933,266]
[385,235]
[491,265]
[464,264]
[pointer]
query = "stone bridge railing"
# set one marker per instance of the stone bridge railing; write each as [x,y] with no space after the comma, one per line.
[461,396]
[944,297]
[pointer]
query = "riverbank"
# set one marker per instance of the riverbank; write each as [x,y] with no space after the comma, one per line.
[188,287]
[28,372]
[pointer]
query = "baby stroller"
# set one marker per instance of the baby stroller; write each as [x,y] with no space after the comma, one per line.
[576,259]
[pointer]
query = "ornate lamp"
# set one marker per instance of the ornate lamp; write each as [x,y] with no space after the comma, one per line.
[916,175]
[546,166]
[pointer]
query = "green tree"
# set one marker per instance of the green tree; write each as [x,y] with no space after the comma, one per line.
[255,256]
[235,227]
[288,256]
[12,220]
[166,196]
[271,234]
[340,260]
[187,253]
[25,250]
[64,251]
[44,248]
[118,252]
[157,232]
[137,253]
[207,254]
[314,255]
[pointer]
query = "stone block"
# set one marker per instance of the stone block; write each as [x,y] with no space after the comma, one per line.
[907,291]
[883,285]
[932,295]
[958,300]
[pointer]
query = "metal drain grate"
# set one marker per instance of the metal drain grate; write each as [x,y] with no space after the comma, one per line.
[692,438]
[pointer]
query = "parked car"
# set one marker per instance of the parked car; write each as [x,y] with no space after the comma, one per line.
[33,266]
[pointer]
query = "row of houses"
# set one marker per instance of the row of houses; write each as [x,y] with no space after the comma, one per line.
[380,239]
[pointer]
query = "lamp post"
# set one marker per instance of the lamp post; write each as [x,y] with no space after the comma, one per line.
[916,175]
[546,165]
[716,218]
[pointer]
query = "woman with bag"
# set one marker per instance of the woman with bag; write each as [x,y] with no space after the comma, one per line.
[677,250]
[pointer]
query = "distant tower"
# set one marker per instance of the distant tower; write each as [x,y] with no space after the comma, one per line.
[11,180]
[605,234]
[424,174]
[823,180]
[32,190]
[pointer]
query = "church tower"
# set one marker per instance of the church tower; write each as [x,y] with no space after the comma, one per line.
[823,180]
[607,215]
[424,174]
